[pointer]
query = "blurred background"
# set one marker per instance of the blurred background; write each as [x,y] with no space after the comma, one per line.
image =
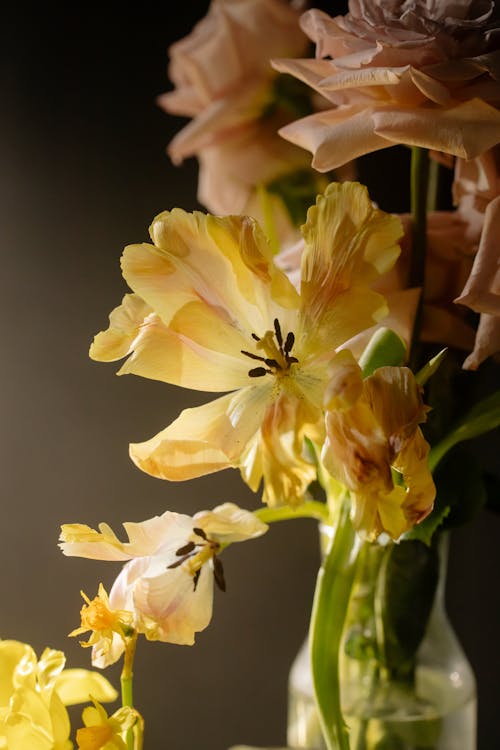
[83,171]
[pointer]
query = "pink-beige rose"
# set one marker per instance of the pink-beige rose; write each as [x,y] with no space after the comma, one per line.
[423,73]
[224,81]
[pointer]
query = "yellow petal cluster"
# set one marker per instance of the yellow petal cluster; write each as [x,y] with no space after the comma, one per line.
[109,627]
[376,449]
[103,732]
[34,695]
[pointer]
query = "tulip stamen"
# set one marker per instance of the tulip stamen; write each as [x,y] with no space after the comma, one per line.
[278,351]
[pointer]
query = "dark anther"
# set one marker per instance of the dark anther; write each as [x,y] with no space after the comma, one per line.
[186,549]
[178,562]
[219,574]
[195,579]
[273,363]
[277,330]
[290,360]
[290,340]
[257,372]
[253,356]
[199,532]
[255,337]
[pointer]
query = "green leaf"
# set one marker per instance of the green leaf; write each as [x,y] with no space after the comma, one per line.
[409,585]
[425,530]
[431,367]
[384,348]
[483,417]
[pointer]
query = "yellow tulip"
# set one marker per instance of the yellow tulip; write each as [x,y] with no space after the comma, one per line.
[212,312]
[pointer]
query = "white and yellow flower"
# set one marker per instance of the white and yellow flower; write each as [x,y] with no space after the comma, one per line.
[212,312]
[167,582]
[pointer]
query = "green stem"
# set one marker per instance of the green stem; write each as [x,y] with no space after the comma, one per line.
[419,202]
[432,191]
[267,210]
[308,509]
[127,677]
[331,600]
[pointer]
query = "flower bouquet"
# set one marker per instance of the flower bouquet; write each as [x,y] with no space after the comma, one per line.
[355,351]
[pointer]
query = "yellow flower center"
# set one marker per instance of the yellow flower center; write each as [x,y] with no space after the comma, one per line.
[97,616]
[277,353]
[196,554]
[93,738]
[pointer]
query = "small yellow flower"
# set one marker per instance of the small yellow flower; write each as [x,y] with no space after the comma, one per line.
[109,626]
[103,732]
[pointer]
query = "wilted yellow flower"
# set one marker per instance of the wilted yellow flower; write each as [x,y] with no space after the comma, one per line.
[103,732]
[34,693]
[375,447]
[424,74]
[109,626]
[213,312]
[168,582]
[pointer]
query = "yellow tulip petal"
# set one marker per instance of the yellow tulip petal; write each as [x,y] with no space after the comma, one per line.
[347,243]
[224,261]
[125,323]
[228,523]
[277,455]
[204,439]
[197,350]
[14,657]
[76,685]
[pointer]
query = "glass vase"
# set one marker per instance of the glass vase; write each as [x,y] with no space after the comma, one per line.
[405,682]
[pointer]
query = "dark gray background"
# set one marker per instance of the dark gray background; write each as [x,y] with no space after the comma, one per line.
[83,172]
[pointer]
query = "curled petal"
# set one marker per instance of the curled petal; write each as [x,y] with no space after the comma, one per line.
[144,538]
[229,523]
[465,130]
[205,439]
[482,290]
[125,324]
[336,136]
[487,341]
